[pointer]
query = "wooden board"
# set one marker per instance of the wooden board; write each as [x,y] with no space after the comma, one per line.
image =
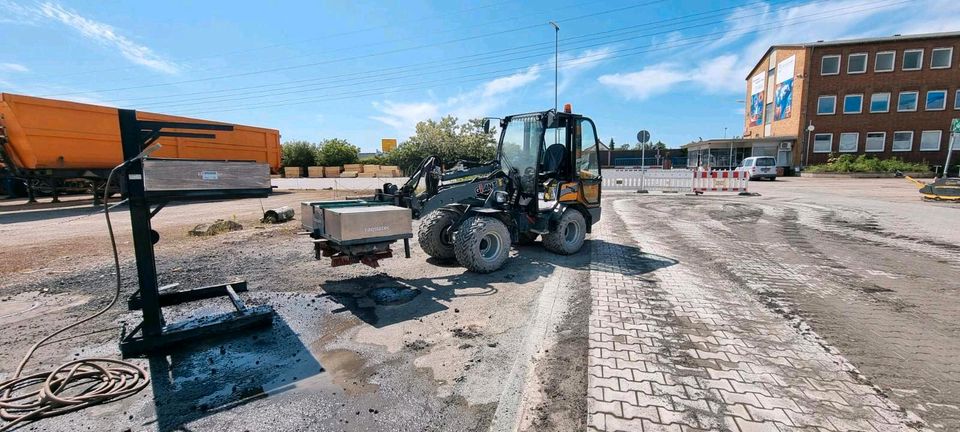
[290,172]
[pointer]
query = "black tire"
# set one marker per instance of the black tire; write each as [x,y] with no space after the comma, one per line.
[527,238]
[482,244]
[434,234]
[568,238]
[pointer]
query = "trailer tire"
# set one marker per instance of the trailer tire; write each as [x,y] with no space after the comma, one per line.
[568,238]
[482,244]
[434,233]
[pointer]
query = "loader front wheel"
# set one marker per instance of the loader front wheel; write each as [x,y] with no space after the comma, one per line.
[482,244]
[568,238]
[436,233]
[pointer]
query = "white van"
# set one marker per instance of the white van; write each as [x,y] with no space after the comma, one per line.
[759,167]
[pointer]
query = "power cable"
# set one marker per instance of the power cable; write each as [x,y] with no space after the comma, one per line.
[77,384]
[379,74]
[583,60]
[365,56]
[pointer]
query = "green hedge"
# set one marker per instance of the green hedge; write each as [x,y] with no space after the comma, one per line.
[866,164]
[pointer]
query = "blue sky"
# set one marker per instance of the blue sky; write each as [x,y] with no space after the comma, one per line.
[365,70]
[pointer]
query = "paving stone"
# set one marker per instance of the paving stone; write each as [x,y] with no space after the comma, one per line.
[679,346]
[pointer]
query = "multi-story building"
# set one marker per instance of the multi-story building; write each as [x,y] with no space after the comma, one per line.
[889,96]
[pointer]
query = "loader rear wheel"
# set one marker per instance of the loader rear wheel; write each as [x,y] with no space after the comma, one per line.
[482,244]
[436,234]
[568,238]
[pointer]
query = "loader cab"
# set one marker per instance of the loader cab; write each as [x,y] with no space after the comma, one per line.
[552,152]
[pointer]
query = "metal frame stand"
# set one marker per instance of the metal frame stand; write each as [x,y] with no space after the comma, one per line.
[153,334]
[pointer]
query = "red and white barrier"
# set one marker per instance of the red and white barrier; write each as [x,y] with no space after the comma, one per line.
[720,181]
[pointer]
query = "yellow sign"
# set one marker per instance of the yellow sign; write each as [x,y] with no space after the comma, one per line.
[388,144]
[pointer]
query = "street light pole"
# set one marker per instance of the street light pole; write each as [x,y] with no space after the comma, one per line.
[556,65]
[806,147]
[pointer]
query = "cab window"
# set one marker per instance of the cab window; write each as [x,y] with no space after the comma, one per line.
[587,152]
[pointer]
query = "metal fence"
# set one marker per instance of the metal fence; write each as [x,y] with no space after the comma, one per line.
[676,180]
[679,180]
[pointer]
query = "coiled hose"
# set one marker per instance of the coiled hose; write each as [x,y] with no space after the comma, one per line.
[77,384]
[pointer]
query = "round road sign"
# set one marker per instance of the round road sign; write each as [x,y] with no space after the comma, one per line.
[643,136]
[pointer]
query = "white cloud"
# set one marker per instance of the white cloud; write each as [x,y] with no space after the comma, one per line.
[478,102]
[13,67]
[512,82]
[485,99]
[572,67]
[721,65]
[404,116]
[96,31]
[713,75]
[647,82]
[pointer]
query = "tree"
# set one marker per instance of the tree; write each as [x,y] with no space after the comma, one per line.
[337,152]
[299,154]
[612,145]
[653,146]
[446,139]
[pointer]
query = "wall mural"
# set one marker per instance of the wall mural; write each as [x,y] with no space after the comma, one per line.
[783,101]
[757,84]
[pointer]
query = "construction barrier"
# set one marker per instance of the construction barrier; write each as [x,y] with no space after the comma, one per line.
[720,181]
[679,180]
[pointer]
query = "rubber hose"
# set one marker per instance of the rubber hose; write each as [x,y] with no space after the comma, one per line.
[77,384]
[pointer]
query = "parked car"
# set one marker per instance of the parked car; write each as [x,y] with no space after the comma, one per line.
[759,167]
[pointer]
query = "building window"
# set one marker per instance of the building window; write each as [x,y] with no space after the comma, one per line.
[849,142]
[768,113]
[823,143]
[912,59]
[826,105]
[876,141]
[903,141]
[956,100]
[884,61]
[853,104]
[880,102]
[930,140]
[830,65]
[936,100]
[857,63]
[941,58]
[907,101]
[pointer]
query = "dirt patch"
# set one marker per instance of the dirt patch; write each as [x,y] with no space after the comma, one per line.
[562,373]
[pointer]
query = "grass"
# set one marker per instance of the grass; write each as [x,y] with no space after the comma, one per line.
[866,164]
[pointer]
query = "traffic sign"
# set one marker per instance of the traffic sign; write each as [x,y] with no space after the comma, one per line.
[643,136]
[955,125]
[388,144]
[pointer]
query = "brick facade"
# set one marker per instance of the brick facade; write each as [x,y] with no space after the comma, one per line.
[810,84]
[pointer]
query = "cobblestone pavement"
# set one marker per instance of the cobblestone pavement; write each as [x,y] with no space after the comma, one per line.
[733,317]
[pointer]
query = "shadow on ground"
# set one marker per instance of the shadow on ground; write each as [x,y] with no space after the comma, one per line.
[219,374]
[382,300]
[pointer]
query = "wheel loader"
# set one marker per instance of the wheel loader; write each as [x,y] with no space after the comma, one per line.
[544,182]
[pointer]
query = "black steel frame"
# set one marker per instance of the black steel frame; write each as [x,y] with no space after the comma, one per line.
[153,334]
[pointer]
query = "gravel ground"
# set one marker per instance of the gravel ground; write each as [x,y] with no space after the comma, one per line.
[412,345]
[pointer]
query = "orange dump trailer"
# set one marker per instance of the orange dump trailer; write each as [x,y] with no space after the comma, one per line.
[48,140]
